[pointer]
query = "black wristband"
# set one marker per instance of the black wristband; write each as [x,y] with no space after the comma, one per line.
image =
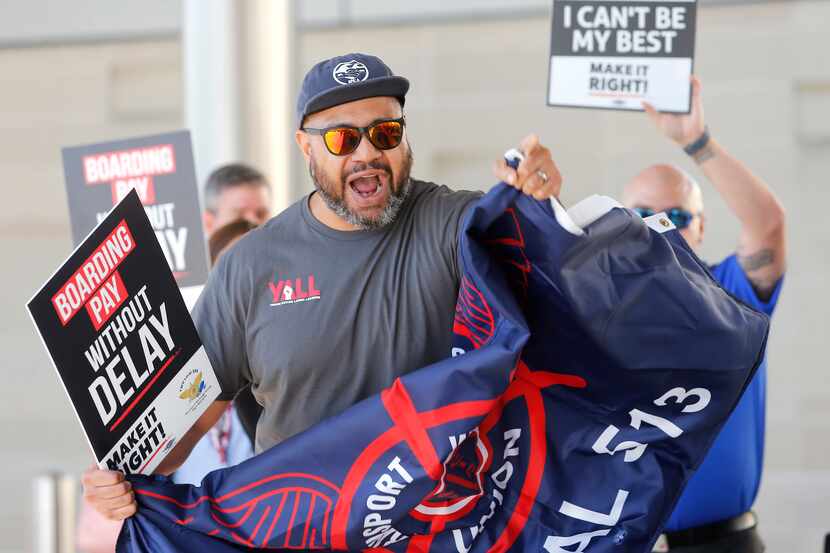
[698,144]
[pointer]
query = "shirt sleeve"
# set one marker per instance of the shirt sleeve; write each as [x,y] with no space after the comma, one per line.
[459,207]
[732,277]
[441,213]
[219,315]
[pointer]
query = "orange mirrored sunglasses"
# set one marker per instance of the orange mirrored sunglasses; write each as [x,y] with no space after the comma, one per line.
[342,140]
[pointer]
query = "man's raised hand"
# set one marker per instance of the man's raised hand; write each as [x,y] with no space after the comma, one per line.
[683,129]
[536,175]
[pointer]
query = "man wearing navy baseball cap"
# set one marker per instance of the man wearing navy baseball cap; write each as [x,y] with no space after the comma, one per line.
[347,289]
[344,79]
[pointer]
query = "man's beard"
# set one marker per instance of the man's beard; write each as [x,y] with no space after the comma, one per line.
[398,192]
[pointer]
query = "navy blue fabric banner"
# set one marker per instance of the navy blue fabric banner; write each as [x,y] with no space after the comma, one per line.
[588,377]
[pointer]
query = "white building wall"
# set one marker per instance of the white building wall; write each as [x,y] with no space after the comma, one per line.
[58,21]
[478,86]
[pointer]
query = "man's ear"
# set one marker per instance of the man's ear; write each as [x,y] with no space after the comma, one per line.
[208,221]
[304,142]
[702,227]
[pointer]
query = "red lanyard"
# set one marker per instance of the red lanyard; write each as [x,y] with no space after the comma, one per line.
[220,435]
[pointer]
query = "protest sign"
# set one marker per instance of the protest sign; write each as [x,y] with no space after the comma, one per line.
[123,343]
[615,54]
[160,169]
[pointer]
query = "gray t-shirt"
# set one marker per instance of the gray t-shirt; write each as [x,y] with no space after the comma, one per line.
[317,319]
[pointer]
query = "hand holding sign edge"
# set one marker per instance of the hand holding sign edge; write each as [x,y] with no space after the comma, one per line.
[682,129]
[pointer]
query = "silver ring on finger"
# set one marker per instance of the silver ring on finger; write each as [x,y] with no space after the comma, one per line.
[543,176]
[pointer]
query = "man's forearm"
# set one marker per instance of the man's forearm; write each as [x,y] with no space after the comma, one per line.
[762,244]
[747,196]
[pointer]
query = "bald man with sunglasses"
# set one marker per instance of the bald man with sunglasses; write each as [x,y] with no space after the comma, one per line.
[714,513]
[349,288]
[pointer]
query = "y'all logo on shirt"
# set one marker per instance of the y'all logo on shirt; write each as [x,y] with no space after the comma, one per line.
[293,290]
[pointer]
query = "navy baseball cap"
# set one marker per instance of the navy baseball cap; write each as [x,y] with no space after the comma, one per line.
[344,79]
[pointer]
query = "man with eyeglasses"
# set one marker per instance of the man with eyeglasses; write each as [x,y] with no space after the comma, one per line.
[349,288]
[713,514]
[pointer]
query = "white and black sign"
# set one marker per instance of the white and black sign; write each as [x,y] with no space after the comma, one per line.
[160,169]
[615,54]
[123,343]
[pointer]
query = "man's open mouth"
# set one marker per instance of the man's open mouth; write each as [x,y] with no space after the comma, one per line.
[367,186]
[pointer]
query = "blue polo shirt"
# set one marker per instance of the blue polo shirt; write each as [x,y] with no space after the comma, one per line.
[727,481]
